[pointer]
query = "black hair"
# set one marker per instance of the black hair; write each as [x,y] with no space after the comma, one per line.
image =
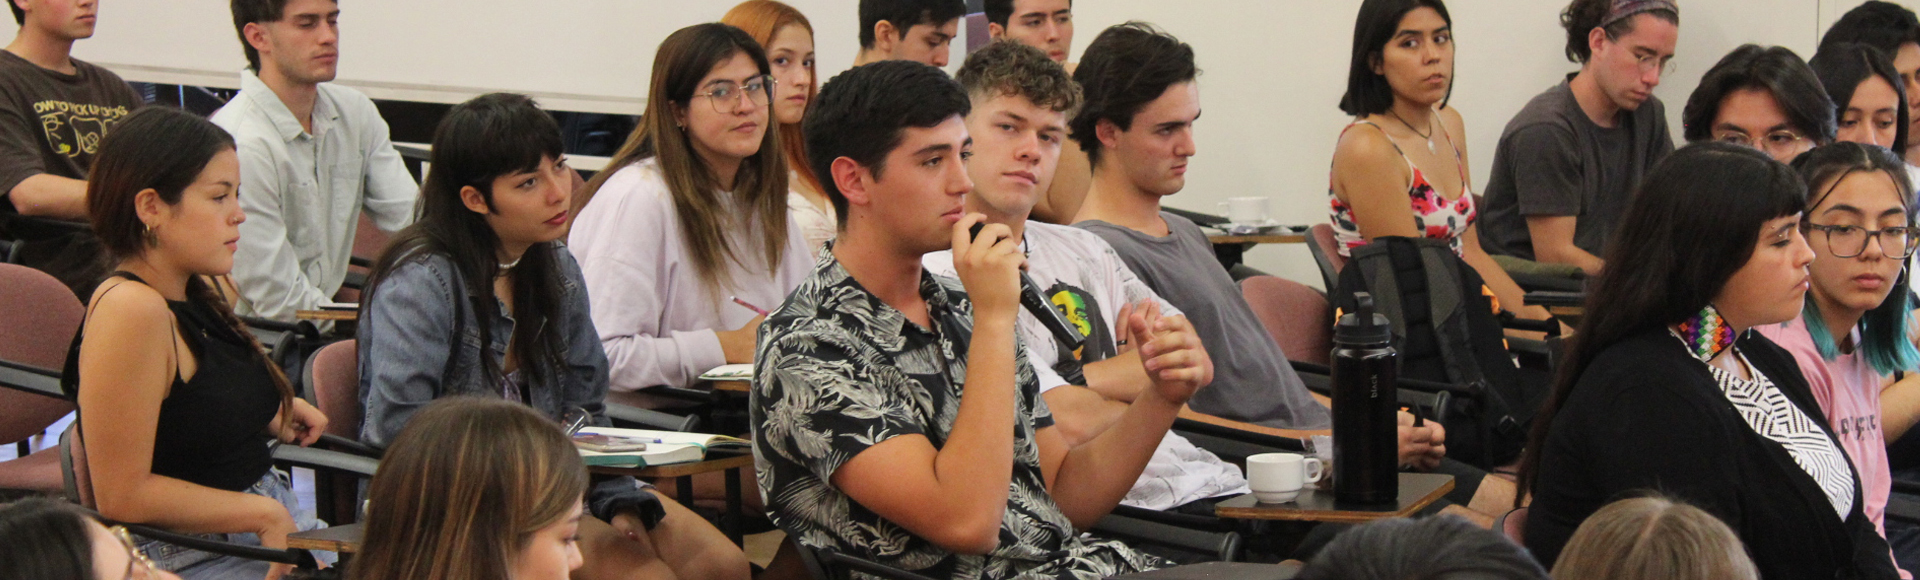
[1444,547]
[1774,69]
[1883,329]
[1368,92]
[255,12]
[19,16]
[1692,224]
[43,538]
[1841,67]
[1001,11]
[1582,16]
[905,14]
[863,113]
[1884,25]
[477,141]
[1127,67]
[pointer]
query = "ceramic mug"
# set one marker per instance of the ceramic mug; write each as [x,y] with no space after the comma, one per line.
[1278,477]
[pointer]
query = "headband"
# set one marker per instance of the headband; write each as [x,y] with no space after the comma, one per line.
[1624,9]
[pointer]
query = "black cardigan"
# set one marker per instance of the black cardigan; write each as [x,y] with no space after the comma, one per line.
[1646,415]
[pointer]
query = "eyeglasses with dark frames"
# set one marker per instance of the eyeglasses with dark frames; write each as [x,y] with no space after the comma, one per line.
[1851,241]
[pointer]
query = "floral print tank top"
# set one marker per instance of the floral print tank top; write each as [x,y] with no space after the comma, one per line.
[1437,217]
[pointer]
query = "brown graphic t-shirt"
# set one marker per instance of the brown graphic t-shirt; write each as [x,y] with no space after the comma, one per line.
[51,123]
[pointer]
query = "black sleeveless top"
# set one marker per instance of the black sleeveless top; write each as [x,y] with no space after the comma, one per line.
[212,429]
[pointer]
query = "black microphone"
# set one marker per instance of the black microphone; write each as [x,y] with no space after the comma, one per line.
[1031,299]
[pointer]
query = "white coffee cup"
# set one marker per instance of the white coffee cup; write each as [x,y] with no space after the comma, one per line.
[1247,210]
[1278,477]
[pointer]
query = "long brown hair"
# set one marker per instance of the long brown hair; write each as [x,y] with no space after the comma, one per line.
[462,490]
[762,19]
[1654,538]
[163,149]
[760,185]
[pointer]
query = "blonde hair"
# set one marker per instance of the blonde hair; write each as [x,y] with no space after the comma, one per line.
[463,489]
[1654,538]
[761,19]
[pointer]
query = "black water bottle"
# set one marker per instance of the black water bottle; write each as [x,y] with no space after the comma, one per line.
[1366,442]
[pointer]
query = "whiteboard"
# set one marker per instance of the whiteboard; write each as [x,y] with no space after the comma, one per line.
[574,55]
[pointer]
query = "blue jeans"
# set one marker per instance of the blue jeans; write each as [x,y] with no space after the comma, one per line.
[198,565]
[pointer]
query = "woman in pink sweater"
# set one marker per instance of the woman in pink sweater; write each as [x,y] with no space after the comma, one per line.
[1853,330]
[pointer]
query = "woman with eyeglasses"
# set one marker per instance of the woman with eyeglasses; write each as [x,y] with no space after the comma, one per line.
[49,540]
[1853,330]
[1764,98]
[690,216]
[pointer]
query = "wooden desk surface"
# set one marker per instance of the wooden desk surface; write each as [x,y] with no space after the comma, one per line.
[327,314]
[731,386]
[1258,239]
[710,465]
[1417,491]
[335,539]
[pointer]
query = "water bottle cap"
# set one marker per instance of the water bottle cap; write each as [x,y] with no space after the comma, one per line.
[1363,325]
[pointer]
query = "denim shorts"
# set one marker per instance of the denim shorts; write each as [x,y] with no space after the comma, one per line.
[198,565]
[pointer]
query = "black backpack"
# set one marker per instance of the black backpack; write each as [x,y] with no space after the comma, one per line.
[1446,331]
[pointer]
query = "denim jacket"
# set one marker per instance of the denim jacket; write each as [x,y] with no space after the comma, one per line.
[406,337]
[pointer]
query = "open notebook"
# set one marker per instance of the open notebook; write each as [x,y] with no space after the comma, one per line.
[672,447]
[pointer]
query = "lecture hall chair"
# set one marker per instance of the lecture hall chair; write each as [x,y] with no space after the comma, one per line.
[38,317]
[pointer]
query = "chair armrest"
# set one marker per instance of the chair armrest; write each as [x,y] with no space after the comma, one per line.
[1304,368]
[1222,545]
[324,459]
[1275,442]
[869,566]
[682,393]
[282,556]
[651,419]
[359,261]
[1903,507]
[1554,298]
[350,446]
[31,379]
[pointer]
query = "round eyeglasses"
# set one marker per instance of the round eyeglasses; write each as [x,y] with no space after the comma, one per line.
[1851,241]
[726,95]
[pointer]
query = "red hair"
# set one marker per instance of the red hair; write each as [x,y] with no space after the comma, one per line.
[761,19]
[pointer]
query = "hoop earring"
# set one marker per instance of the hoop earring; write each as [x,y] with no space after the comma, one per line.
[147,233]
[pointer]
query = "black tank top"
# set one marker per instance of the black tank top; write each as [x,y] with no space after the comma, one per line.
[212,429]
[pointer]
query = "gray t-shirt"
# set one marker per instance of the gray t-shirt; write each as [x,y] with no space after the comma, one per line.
[1252,381]
[1554,161]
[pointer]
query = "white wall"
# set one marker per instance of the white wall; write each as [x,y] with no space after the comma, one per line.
[1273,69]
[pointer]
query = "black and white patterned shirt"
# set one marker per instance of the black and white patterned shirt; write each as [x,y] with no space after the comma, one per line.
[1767,411]
[837,372]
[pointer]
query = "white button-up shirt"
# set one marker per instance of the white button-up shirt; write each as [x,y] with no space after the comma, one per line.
[303,193]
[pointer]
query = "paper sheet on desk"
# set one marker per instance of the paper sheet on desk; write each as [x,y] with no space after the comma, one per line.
[733,372]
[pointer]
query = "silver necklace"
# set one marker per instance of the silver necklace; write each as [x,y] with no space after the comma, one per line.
[1428,135]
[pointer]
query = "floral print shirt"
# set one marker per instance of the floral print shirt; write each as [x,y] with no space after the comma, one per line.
[839,371]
